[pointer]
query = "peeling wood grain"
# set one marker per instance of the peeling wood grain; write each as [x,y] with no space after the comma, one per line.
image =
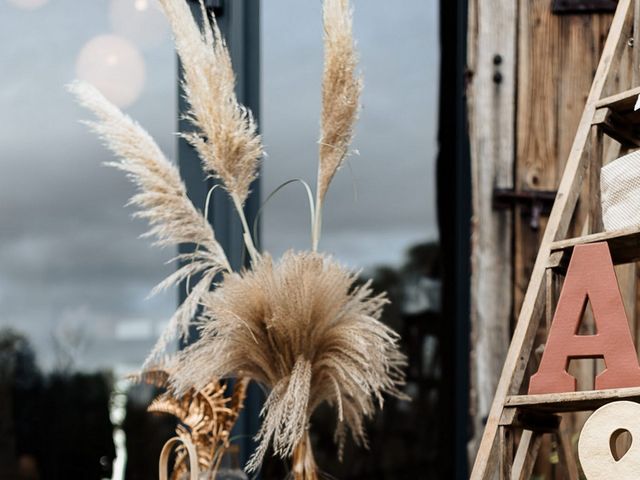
[492,40]
[557,59]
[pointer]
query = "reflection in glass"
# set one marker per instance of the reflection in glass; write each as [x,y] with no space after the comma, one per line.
[140,21]
[73,274]
[28,4]
[55,425]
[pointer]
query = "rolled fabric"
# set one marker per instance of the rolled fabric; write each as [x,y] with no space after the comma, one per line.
[620,192]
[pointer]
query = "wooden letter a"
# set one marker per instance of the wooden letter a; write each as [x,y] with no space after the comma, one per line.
[590,277]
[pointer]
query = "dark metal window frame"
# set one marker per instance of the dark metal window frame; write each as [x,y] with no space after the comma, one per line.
[454,218]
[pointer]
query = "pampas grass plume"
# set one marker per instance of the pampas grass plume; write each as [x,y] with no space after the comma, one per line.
[304,330]
[162,200]
[302,326]
[341,88]
[226,138]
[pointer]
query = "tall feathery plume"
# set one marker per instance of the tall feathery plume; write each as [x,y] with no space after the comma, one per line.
[304,330]
[162,200]
[302,327]
[226,137]
[341,88]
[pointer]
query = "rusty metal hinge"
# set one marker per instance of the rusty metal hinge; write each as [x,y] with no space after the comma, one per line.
[583,6]
[533,203]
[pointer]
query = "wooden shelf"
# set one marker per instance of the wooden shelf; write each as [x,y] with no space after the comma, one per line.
[623,244]
[572,401]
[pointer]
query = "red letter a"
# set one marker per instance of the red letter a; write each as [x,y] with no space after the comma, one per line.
[590,277]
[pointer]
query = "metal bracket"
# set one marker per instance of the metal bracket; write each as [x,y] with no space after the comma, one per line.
[534,203]
[216,6]
[563,7]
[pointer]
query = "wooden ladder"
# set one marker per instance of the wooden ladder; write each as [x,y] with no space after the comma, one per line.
[516,423]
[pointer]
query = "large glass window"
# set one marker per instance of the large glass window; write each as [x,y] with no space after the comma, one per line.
[74,276]
[383,201]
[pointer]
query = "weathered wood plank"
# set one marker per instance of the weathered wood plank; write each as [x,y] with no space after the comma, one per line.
[506,453]
[594,199]
[623,244]
[557,58]
[491,113]
[618,236]
[554,76]
[537,135]
[572,401]
[526,455]
[622,102]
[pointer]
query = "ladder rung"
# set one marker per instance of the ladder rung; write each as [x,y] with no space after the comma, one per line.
[622,103]
[617,117]
[572,401]
[623,244]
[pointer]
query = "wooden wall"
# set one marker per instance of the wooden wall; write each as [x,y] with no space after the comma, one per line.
[491,93]
[557,57]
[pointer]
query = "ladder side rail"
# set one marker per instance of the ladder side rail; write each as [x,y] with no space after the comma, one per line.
[557,226]
[526,455]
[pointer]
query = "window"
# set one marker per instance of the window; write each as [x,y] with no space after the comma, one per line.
[73,274]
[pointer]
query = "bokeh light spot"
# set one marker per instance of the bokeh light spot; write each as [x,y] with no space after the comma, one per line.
[115,66]
[141,5]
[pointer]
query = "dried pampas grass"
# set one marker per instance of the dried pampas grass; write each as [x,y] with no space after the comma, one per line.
[303,329]
[341,88]
[226,138]
[162,200]
[226,135]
